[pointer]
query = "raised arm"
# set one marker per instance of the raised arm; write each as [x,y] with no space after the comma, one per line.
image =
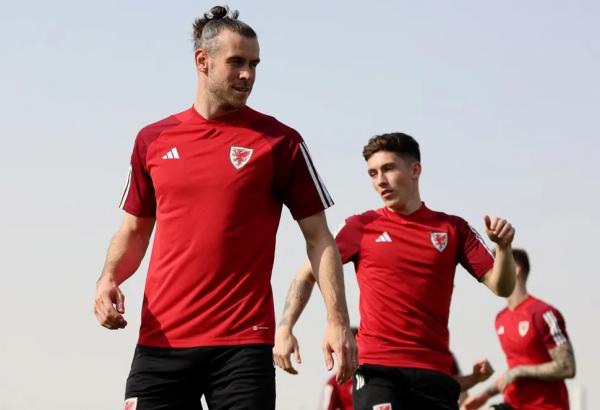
[327,269]
[125,253]
[501,278]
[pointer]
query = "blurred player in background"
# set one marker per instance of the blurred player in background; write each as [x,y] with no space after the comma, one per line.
[540,356]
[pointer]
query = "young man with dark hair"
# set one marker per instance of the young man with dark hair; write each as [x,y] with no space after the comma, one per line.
[540,356]
[213,179]
[405,256]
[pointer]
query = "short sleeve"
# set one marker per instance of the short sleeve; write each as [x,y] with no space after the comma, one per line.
[551,327]
[348,237]
[473,254]
[139,198]
[298,182]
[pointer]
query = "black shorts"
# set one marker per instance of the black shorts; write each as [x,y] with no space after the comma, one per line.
[229,377]
[501,406]
[387,388]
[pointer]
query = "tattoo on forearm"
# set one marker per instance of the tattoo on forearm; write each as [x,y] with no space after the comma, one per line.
[295,301]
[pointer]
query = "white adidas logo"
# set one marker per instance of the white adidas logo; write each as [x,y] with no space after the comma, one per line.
[172,154]
[384,237]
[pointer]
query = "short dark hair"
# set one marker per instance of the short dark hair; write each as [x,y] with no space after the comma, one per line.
[402,144]
[522,259]
[208,27]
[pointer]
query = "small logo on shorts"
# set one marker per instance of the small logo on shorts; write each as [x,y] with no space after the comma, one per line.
[523,328]
[360,381]
[383,406]
[439,240]
[255,328]
[131,404]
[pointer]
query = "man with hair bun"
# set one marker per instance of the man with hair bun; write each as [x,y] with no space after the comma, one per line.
[213,179]
[405,256]
[534,338]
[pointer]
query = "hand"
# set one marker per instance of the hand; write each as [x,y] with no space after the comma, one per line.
[474,402]
[286,344]
[109,305]
[499,231]
[482,370]
[339,340]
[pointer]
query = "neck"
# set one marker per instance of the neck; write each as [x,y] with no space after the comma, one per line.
[518,295]
[206,105]
[408,207]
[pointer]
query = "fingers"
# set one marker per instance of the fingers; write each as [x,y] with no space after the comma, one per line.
[487,221]
[297,354]
[120,301]
[105,311]
[285,345]
[499,230]
[328,357]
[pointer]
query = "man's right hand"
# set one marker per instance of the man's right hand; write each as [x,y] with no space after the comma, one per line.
[109,305]
[286,344]
[339,340]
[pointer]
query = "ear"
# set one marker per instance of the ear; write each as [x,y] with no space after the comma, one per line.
[415,169]
[201,60]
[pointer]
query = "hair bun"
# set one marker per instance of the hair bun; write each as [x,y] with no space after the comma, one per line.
[218,12]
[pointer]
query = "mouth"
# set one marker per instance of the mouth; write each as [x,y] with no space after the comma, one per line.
[386,193]
[241,89]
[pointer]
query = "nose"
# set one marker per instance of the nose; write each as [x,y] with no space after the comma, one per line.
[380,179]
[246,74]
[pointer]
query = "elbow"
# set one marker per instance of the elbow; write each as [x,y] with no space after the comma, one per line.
[570,371]
[505,290]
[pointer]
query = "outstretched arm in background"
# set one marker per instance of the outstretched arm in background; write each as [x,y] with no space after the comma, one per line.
[562,366]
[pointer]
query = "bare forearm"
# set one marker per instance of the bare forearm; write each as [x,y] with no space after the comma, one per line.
[297,296]
[561,367]
[502,280]
[327,270]
[466,382]
[125,253]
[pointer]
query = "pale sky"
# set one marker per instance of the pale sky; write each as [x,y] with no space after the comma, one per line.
[504,98]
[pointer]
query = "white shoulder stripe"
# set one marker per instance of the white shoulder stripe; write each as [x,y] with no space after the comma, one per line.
[480,239]
[126,192]
[323,194]
[555,331]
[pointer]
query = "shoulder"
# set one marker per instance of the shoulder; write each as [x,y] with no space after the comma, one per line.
[151,131]
[365,218]
[450,219]
[501,314]
[538,307]
[271,128]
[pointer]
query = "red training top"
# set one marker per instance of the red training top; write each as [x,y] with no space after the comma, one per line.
[405,268]
[336,396]
[216,188]
[526,334]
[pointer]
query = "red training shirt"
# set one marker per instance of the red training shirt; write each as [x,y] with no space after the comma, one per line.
[336,396]
[405,268]
[526,334]
[216,188]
